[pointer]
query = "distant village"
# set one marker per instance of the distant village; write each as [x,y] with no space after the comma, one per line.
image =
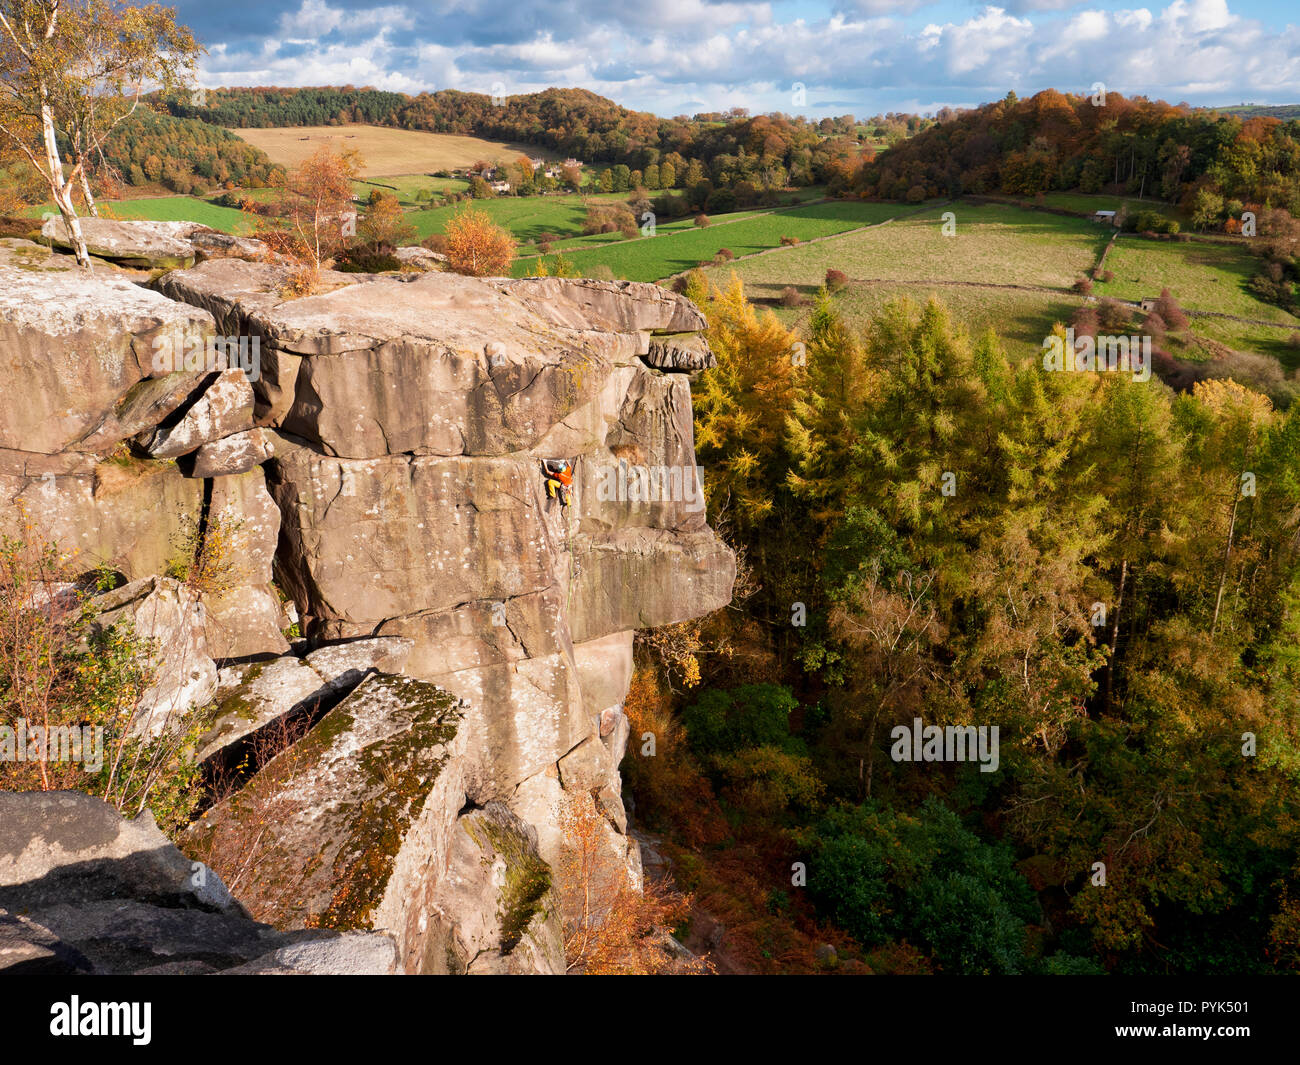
[498,177]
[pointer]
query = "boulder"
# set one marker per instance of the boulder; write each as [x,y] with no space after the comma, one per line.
[171,615]
[213,244]
[420,258]
[250,697]
[151,245]
[345,665]
[238,453]
[155,245]
[64,847]
[348,954]
[73,346]
[688,353]
[364,806]
[507,922]
[27,949]
[224,408]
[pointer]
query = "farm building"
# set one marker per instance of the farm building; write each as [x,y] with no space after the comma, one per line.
[1105,217]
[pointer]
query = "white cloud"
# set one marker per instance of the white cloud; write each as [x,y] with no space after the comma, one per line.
[669,55]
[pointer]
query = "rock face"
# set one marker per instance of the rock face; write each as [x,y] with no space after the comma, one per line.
[76,348]
[84,891]
[386,474]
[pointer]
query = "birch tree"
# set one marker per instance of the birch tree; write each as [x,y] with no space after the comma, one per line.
[71,71]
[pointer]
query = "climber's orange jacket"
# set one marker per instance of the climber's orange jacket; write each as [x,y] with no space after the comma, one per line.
[564,476]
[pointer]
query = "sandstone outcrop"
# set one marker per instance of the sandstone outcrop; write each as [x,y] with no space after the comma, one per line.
[154,245]
[381,471]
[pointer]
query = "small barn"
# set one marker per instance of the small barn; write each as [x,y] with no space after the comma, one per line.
[1104,217]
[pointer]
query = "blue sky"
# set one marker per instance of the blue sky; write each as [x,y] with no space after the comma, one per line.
[684,56]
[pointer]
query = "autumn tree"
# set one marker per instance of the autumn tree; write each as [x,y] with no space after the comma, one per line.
[313,217]
[384,226]
[612,925]
[478,247]
[70,72]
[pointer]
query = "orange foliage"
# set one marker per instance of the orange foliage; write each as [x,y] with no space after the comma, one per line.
[313,219]
[477,247]
[610,927]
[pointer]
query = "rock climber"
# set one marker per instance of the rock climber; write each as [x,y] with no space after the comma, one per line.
[559,479]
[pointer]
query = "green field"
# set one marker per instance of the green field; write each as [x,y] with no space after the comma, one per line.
[998,245]
[1088,202]
[526,217]
[405,186]
[681,247]
[169,209]
[992,244]
[1201,276]
[1020,319]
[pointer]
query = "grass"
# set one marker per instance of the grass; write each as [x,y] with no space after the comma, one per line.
[405,186]
[525,217]
[1088,202]
[678,247]
[387,151]
[1201,276]
[1020,319]
[992,244]
[168,209]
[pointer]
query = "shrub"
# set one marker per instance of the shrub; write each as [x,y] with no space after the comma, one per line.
[702,221]
[836,280]
[1083,286]
[790,297]
[1085,321]
[61,669]
[1113,316]
[208,553]
[1168,309]
[478,247]
[789,241]
[725,254]
[608,218]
